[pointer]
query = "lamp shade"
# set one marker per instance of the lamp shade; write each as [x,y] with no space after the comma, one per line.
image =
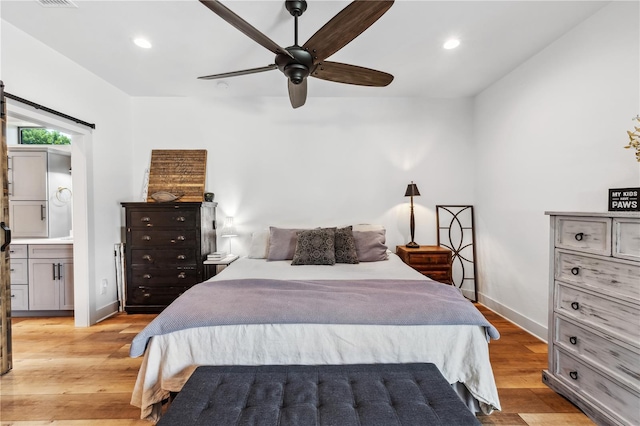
[228,230]
[412,190]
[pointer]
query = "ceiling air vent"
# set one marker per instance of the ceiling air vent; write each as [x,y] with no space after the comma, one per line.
[57,3]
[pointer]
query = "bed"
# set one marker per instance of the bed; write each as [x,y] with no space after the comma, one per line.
[265,311]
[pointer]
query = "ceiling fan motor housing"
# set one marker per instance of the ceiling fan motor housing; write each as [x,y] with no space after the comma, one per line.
[296,7]
[298,68]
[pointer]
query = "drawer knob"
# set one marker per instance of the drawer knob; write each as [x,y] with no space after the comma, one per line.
[147,257]
[146,238]
[182,275]
[575,306]
[180,219]
[13,295]
[579,236]
[147,295]
[147,276]
[181,257]
[573,375]
[181,238]
[575,270]
[145,219]
[573,340]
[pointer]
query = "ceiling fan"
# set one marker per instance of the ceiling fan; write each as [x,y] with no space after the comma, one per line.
[299,62]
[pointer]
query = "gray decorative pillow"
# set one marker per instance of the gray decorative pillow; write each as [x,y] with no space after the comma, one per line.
[315,247]
[370,245]
[282,243]
[346,246]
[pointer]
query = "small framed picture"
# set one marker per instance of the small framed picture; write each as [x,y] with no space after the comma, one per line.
[624,200]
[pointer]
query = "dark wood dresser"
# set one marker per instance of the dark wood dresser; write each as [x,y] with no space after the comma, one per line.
[432,261]
[166,244]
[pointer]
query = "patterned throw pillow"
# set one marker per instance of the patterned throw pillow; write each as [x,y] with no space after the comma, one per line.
[346,246]
[315,247]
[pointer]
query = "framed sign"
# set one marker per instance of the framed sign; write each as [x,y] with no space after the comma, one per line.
[178,171]
[624,200]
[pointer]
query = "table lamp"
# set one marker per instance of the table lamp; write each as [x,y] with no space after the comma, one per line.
[412,191]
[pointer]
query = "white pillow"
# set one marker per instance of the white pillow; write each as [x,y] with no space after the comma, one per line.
[259,245]
[367,227]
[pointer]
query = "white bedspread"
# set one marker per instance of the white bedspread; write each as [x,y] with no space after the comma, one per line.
[460,352]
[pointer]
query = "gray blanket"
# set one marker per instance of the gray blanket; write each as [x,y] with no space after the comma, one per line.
[267,301]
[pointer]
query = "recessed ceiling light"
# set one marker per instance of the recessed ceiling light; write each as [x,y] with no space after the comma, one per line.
[451,44]
[142,42]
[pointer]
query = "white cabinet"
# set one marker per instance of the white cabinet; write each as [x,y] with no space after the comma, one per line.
[27,175]
[39,185]
[594,313]
[51,285]
[19,269]
[41,278]
[50,277]
[29,219]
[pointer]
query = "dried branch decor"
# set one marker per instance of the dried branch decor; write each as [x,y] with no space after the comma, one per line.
[634,139]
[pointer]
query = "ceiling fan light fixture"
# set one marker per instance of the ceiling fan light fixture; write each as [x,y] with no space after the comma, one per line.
[296,72]
[452,43]
[142,42]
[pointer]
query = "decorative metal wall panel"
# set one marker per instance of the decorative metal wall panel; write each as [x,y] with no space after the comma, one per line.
[456,232]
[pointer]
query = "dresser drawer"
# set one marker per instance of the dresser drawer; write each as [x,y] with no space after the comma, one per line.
[19,269]
[157,257]
[436,275]
[626,238]
[164,218]
[610,316]
[18,251]
[180,276]
[19,297]
[146,295]
[618,360]
[615,278]
[589,235]
[164,238]
[620,401]
[417,259]
[50,251]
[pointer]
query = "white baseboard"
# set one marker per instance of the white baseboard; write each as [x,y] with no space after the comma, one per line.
[106,311]
[527,324]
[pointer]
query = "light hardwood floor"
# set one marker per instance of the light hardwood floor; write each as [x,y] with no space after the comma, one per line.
[83,376]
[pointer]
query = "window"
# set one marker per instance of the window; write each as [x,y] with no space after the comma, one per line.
[41,136]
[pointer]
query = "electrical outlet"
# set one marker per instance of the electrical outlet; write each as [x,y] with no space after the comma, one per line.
[103,287]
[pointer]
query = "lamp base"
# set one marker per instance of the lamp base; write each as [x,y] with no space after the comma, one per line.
[413,244]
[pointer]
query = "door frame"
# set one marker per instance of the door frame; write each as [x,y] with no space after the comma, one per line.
[81,138]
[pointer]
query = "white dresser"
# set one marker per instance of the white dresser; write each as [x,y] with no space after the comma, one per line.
[594,314]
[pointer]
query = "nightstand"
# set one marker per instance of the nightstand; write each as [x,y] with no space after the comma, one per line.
[432,261]
[213,267]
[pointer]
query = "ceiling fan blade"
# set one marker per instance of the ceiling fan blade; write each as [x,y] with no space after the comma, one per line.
[237,73]
[344,27]
[244,27]
[351,74]
[297,93]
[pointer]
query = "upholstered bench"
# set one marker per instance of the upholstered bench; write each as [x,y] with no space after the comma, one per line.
[297,395]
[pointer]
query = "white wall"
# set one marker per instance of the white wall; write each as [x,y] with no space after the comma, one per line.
[549,137]
[335,161]
[64,86]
